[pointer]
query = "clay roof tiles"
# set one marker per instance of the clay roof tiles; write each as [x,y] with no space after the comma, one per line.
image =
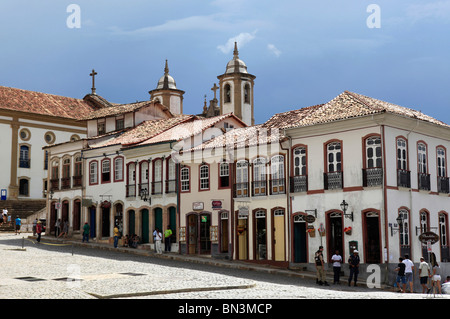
[143,131]
[345,106]
[43,103]
[116,109]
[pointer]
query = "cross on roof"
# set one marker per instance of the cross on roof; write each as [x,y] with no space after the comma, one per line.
[93,74]
[215,88]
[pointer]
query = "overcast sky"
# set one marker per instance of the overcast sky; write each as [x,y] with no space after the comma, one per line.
[302,52]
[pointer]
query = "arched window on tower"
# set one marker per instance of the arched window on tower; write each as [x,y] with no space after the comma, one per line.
[247,93]
[227,93]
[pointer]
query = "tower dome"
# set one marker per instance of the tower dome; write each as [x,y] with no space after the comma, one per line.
[236,65]
[166,81]
[167,94]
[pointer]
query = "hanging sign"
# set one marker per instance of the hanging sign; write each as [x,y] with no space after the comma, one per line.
[429,236]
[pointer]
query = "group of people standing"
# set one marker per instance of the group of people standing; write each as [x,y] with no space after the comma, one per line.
[158,236]
[336,259]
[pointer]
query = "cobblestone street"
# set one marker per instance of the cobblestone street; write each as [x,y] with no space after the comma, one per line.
[61,270]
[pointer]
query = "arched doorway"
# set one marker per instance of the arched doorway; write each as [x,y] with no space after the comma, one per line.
[106,224]
[223,217]
[198,233]
[372,245]
[173,223]
[92,221]
[260,232]
[131,222]
[242,233]
[145,226]
[335,234]
[278,231]
[76,215]
[300,239]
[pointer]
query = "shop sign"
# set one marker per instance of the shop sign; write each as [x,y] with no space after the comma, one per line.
[197,205]
[429,236]
[216,204]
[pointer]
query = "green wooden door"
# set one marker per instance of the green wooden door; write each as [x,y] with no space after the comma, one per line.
[131,223]
[145,226]
[159,219]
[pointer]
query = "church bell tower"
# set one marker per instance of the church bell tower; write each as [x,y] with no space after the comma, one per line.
[167,93]
[236,90]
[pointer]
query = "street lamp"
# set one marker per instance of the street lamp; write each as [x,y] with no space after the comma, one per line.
[344,206]
[143,194]
[399,222]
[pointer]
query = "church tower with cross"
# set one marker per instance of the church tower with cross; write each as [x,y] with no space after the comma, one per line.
[167,93]
[236,90]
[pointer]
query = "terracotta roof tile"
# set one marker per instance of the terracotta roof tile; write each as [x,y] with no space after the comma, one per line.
[187,129]
[43,103]
[345,106]
[143,131]
[116,109]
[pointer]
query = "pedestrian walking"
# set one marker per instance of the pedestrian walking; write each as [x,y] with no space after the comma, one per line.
[5,215]
[18,225]
[158,238]
[337,260]
[409,268]
[34,226]
[167,238]
[436,278]
[424,274]
[38,231]
[116,236]
[57,227]
[86,229]
[320,267]
[400,280]
[65,229]
[353,263]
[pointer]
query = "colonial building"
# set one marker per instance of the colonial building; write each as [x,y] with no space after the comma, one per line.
[28,122]
[373,176]
[240,210]
[352,173]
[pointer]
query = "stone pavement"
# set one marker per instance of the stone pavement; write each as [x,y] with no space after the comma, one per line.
[67,269]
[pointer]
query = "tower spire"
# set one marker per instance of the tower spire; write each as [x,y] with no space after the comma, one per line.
[235,52]
[166,69]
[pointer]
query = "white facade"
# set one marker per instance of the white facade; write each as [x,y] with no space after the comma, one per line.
[370,189]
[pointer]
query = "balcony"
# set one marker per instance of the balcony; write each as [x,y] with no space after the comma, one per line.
[333,180]
[424,181]
[54,184]
[372,177]
[65,183]
[171,186]
[157,188]
[403,178]
[130,190]
[299,184]
[143,186]
[77,181]
[259,188]
[277,186]
[241,190]
[442,185]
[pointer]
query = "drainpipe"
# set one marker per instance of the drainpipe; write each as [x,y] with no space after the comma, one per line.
[288,194]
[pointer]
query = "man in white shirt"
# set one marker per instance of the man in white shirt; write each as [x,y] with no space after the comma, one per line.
[409,268]
[336,259]
[157,236]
